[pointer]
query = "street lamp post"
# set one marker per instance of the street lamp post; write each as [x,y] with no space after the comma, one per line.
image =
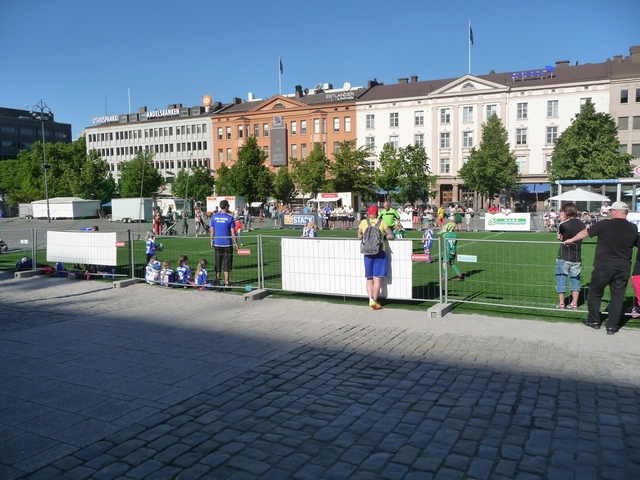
[42,112]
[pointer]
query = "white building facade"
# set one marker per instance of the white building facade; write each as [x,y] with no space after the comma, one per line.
[179,137]
[535,107]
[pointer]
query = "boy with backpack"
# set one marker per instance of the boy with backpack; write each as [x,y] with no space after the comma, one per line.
[372,232]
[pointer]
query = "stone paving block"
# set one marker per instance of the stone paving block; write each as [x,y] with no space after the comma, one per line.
[46,473]
[115,470]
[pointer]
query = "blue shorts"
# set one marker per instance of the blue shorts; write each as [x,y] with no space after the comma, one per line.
[375,265]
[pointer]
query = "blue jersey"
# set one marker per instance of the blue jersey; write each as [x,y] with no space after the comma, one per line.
[222,224]
[184,274]
[151,246]
[166,277]
[202,277]
[427,237]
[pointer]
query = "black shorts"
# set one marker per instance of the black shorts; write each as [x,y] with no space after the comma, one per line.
[223,259]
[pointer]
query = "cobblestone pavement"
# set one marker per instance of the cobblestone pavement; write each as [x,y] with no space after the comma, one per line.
[153,383]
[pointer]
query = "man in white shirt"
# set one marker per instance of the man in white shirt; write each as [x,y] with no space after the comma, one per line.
[605,210]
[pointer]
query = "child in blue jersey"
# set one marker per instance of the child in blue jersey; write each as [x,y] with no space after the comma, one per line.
[183,272]
[427,241]
[166,274]
[202,278]
[150,245]
[152,271]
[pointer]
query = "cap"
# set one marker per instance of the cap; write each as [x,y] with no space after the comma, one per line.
[372,210]
[619,206]
[450,227]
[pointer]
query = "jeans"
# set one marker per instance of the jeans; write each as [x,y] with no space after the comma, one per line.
[570,269]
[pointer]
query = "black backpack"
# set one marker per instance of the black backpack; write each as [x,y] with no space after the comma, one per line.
[371,243]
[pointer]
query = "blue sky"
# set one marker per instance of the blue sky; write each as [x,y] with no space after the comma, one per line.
[75,54]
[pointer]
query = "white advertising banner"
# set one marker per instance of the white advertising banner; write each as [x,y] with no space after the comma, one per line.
[514,222]
[634,217]
[315,265]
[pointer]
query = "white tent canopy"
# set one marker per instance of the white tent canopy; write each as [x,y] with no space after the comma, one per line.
[579,195]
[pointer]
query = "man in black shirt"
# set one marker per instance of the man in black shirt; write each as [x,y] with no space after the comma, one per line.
[569,261]
[611,264]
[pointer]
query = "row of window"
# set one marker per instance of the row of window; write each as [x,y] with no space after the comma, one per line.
[194,129]
[521,163]
[170,164]
[623,123]
[157,148]
[624,96]
[522,112]
[37,132]
[319,126]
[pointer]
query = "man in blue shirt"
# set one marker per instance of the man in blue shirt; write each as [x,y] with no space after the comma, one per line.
[223,237]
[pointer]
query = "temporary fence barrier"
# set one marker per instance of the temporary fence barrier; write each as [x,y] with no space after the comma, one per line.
[517,274]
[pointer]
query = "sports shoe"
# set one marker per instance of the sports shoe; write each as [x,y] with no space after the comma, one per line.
[376,306]
[635,312]
[460,277]
[372,303]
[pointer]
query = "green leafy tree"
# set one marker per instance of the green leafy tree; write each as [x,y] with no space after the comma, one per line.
[250,176]
[415,181]
[492,165]
[387,176]
[224,181]
[138,176]
[589,149]
[284,189]
[71,173]
[310,173]
[350,170]
[197,184]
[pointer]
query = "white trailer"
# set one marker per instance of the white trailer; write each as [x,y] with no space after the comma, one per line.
[234,202]
[132,209]
[177,205]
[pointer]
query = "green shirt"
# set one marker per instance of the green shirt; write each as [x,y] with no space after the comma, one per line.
[451,241]
[389,216]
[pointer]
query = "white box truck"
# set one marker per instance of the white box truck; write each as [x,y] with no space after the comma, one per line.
[132,209]
[234,202]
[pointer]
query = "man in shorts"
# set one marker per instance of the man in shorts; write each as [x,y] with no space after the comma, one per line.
[375,266]
[223,237]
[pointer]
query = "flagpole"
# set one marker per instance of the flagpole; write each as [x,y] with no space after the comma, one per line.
[469,40]
[280,76]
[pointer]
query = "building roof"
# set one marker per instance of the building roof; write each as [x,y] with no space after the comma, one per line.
[562,73]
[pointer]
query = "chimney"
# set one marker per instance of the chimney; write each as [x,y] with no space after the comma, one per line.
[617,58]
[236,101]
[298,91]
[562,63]
[373,83]
[414,78]
[635,54]
[142,109]
[402,81]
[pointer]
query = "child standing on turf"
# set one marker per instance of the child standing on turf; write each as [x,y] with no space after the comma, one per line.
[450,243]
[150,245]
[166,274]
[238,230]
[427,241]
[183,271]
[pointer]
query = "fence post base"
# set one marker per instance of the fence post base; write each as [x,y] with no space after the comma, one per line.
[26,273]
[255,295]
[439,310]
[125,283]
